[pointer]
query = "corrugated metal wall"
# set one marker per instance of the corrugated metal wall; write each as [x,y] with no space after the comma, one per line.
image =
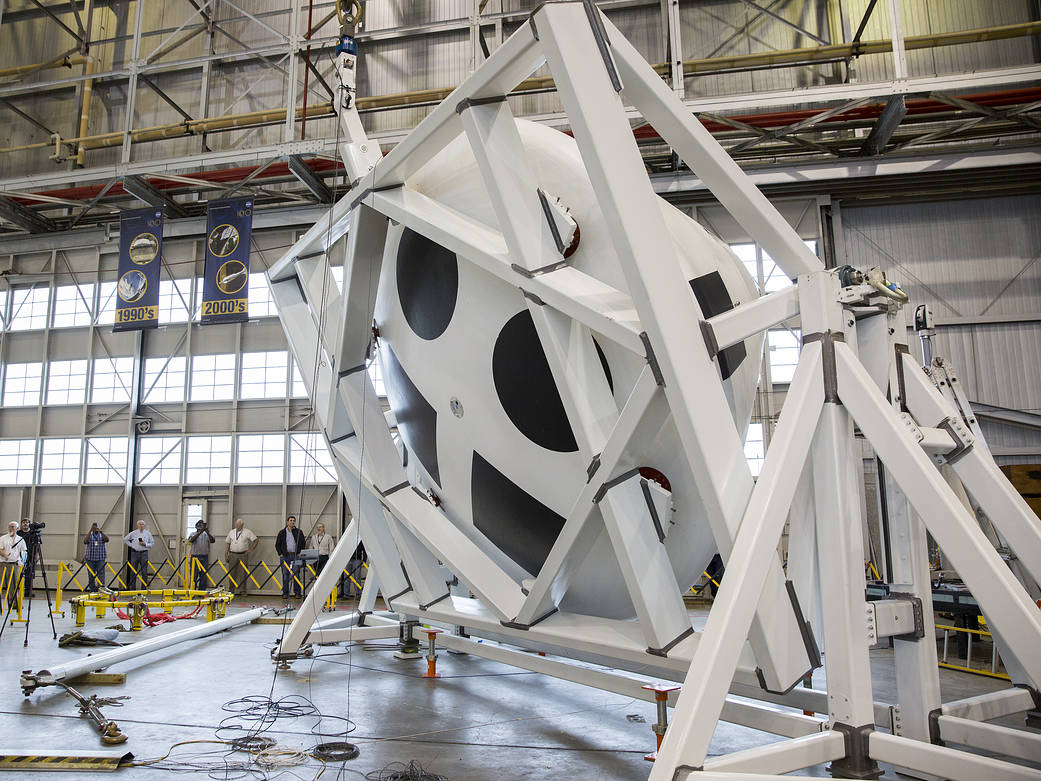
[968,260]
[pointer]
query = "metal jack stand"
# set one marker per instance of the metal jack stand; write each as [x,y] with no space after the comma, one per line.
[661,700]
[408,644]
[90,708]
[431,652]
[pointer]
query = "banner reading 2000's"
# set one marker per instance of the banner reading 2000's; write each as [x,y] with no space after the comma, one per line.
[225,292]
[140,247]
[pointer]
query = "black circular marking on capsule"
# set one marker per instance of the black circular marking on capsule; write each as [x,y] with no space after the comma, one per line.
[713,298]
[428,284]
[525,386]
[603,363]
[516,522]
[417,419]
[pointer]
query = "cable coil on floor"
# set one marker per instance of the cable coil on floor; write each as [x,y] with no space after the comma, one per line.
[336,751]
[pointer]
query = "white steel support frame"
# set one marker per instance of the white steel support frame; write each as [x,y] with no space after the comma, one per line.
[755,635]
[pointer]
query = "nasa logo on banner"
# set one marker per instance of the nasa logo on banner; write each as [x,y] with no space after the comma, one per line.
[140,250]
[225,292]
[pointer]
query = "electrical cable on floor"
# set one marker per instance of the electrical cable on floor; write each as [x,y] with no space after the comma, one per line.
[257,713]
[336,751]
[399,771]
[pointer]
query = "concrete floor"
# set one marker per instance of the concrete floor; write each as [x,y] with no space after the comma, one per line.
[480,721]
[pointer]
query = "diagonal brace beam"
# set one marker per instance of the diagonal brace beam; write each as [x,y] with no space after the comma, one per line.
[142,190]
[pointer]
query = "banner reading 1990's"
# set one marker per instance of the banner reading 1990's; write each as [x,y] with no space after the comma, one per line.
[137,292]
[225,292]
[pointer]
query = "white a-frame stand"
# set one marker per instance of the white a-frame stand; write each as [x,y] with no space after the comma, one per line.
[755,637]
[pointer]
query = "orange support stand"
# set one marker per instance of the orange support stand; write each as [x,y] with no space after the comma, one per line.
[431,652]
[661,699]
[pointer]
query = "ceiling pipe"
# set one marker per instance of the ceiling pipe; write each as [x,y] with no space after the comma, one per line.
[65,61]
[804,56]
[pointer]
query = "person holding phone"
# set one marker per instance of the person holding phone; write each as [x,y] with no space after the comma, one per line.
[140,541]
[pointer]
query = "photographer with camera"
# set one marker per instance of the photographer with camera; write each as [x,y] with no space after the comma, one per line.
[140,542]
[200,552]
[29,532]
[94,556]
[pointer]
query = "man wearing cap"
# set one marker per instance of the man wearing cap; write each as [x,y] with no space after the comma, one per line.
[239,543]
[12,552]
[200,553]
[139,541]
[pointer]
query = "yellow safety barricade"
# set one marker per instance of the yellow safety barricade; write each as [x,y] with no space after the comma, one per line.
[990,671]
[227,572]
[155,571]
[116,573]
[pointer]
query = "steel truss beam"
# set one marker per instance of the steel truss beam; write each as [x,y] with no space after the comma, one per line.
[24,217]
[309,179]
[754,634]
[142,190]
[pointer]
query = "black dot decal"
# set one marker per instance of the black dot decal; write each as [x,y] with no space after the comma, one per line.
[428,283]
[604,365]
[514,521]
[525,386]
[714,299]
[417,420]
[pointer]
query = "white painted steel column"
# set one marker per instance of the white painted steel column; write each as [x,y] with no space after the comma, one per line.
[292,63]
[803,565]
[896,33]
[917,673]
[1006,603]
[715,659]
[840,544]
[668,313]
[587,398]
[320,590]
[128,124]
[672,46]
[699,150]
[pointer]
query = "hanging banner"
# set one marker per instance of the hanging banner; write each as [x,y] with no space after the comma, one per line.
[225,291]
[137,292]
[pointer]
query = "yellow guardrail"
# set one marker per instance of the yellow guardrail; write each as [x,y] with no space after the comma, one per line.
[74,575]
[9,579]
[992,670]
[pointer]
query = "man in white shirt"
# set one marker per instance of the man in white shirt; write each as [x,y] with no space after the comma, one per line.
[239,543]
[140,542]
[12,552]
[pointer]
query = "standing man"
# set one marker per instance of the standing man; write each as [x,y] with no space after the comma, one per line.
[288,544]
[200,553]
[140,541]
[12,552]
[323,543]
[239,543]
[30,558]
[95,556]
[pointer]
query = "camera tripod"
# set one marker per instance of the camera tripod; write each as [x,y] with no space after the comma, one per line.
[31,562]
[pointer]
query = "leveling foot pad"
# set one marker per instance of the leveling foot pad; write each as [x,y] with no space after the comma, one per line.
[408,653]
